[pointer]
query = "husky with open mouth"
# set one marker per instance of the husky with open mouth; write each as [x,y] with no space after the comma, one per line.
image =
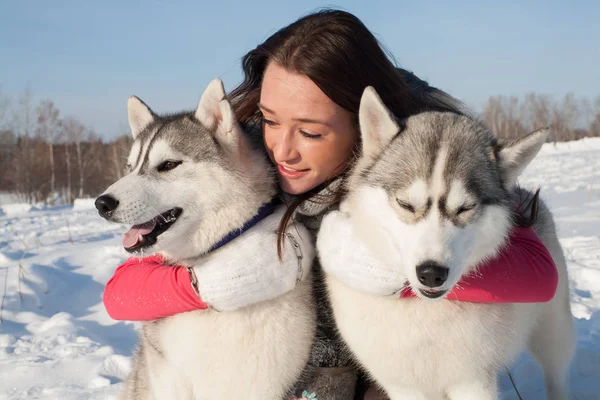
[195,181]
[431,201]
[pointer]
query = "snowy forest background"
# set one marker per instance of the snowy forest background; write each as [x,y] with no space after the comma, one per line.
[50,158]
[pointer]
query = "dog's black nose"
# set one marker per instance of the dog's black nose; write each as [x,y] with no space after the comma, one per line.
[106,205]
[432,274]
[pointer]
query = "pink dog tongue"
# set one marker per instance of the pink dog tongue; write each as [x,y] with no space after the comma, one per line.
[132,236]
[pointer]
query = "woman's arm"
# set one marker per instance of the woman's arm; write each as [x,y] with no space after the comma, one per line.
[244,272]
[144,289]
[523,272]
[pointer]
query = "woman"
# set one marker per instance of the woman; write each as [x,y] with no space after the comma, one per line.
[302,90]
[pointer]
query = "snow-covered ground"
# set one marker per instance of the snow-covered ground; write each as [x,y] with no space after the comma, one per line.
[57,342]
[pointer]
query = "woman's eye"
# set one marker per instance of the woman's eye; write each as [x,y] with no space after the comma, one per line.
[268,122]
[168,165]
[310,135]
[406,206]
[465,208]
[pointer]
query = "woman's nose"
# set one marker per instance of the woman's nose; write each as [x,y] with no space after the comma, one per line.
[285,150]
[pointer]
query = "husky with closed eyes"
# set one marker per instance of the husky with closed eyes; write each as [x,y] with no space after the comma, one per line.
[431,202]
[194,179]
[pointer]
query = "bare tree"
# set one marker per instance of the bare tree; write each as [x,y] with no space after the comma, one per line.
[571,113]
[117,152]
[535,111]
[492,114]
[48,126]
[23,124]
[595,124]
[78,149]
[503,116]
[72,133]
[8,143]
[4,109]
[90,156]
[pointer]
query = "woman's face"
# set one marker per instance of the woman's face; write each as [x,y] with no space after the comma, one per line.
[308,136]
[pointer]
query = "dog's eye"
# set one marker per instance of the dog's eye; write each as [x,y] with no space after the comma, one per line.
[127,167]
[406,206]
[465,208]
[168,165]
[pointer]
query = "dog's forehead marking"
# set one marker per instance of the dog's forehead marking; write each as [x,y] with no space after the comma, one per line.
[150,144]
[143,142]
[437,180]
[140,159]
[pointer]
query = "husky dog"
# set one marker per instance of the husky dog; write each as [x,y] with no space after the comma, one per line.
[436,199]
[193,179]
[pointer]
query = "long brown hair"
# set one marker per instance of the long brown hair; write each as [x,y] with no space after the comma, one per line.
[342,57]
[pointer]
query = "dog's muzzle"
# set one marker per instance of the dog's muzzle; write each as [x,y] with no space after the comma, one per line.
[141,235]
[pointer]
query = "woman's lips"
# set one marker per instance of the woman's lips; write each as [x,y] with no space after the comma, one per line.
[291,173]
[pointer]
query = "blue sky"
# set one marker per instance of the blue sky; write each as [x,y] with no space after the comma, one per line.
[88,57]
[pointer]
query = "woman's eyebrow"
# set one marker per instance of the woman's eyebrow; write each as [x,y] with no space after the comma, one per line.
[306,120]
[312,121]
[262,107]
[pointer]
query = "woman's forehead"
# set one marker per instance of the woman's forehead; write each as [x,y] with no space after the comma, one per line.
[294,95]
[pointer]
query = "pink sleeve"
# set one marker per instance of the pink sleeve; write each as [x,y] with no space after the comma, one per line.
[144,289]
[523,272]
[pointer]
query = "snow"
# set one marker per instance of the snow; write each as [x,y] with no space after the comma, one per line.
[57,342]
[8,198]
[84,204]
[15,209]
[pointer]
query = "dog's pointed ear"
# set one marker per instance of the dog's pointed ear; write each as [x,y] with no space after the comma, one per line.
[215,113]
[139,115]
[514,156]
[377,125]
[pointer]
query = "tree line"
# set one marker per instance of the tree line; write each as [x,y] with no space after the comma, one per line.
[50,158]
[569,118]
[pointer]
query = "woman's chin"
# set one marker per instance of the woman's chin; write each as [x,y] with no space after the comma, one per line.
[292,189]
[296,186]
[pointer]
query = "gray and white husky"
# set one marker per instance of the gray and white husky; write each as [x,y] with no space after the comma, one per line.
[436,199]
[194,178]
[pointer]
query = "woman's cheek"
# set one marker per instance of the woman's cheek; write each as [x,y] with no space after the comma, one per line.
[325,157]
[268,141]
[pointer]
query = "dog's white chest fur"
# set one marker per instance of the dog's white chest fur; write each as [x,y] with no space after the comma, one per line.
[255,352]
[427,346]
